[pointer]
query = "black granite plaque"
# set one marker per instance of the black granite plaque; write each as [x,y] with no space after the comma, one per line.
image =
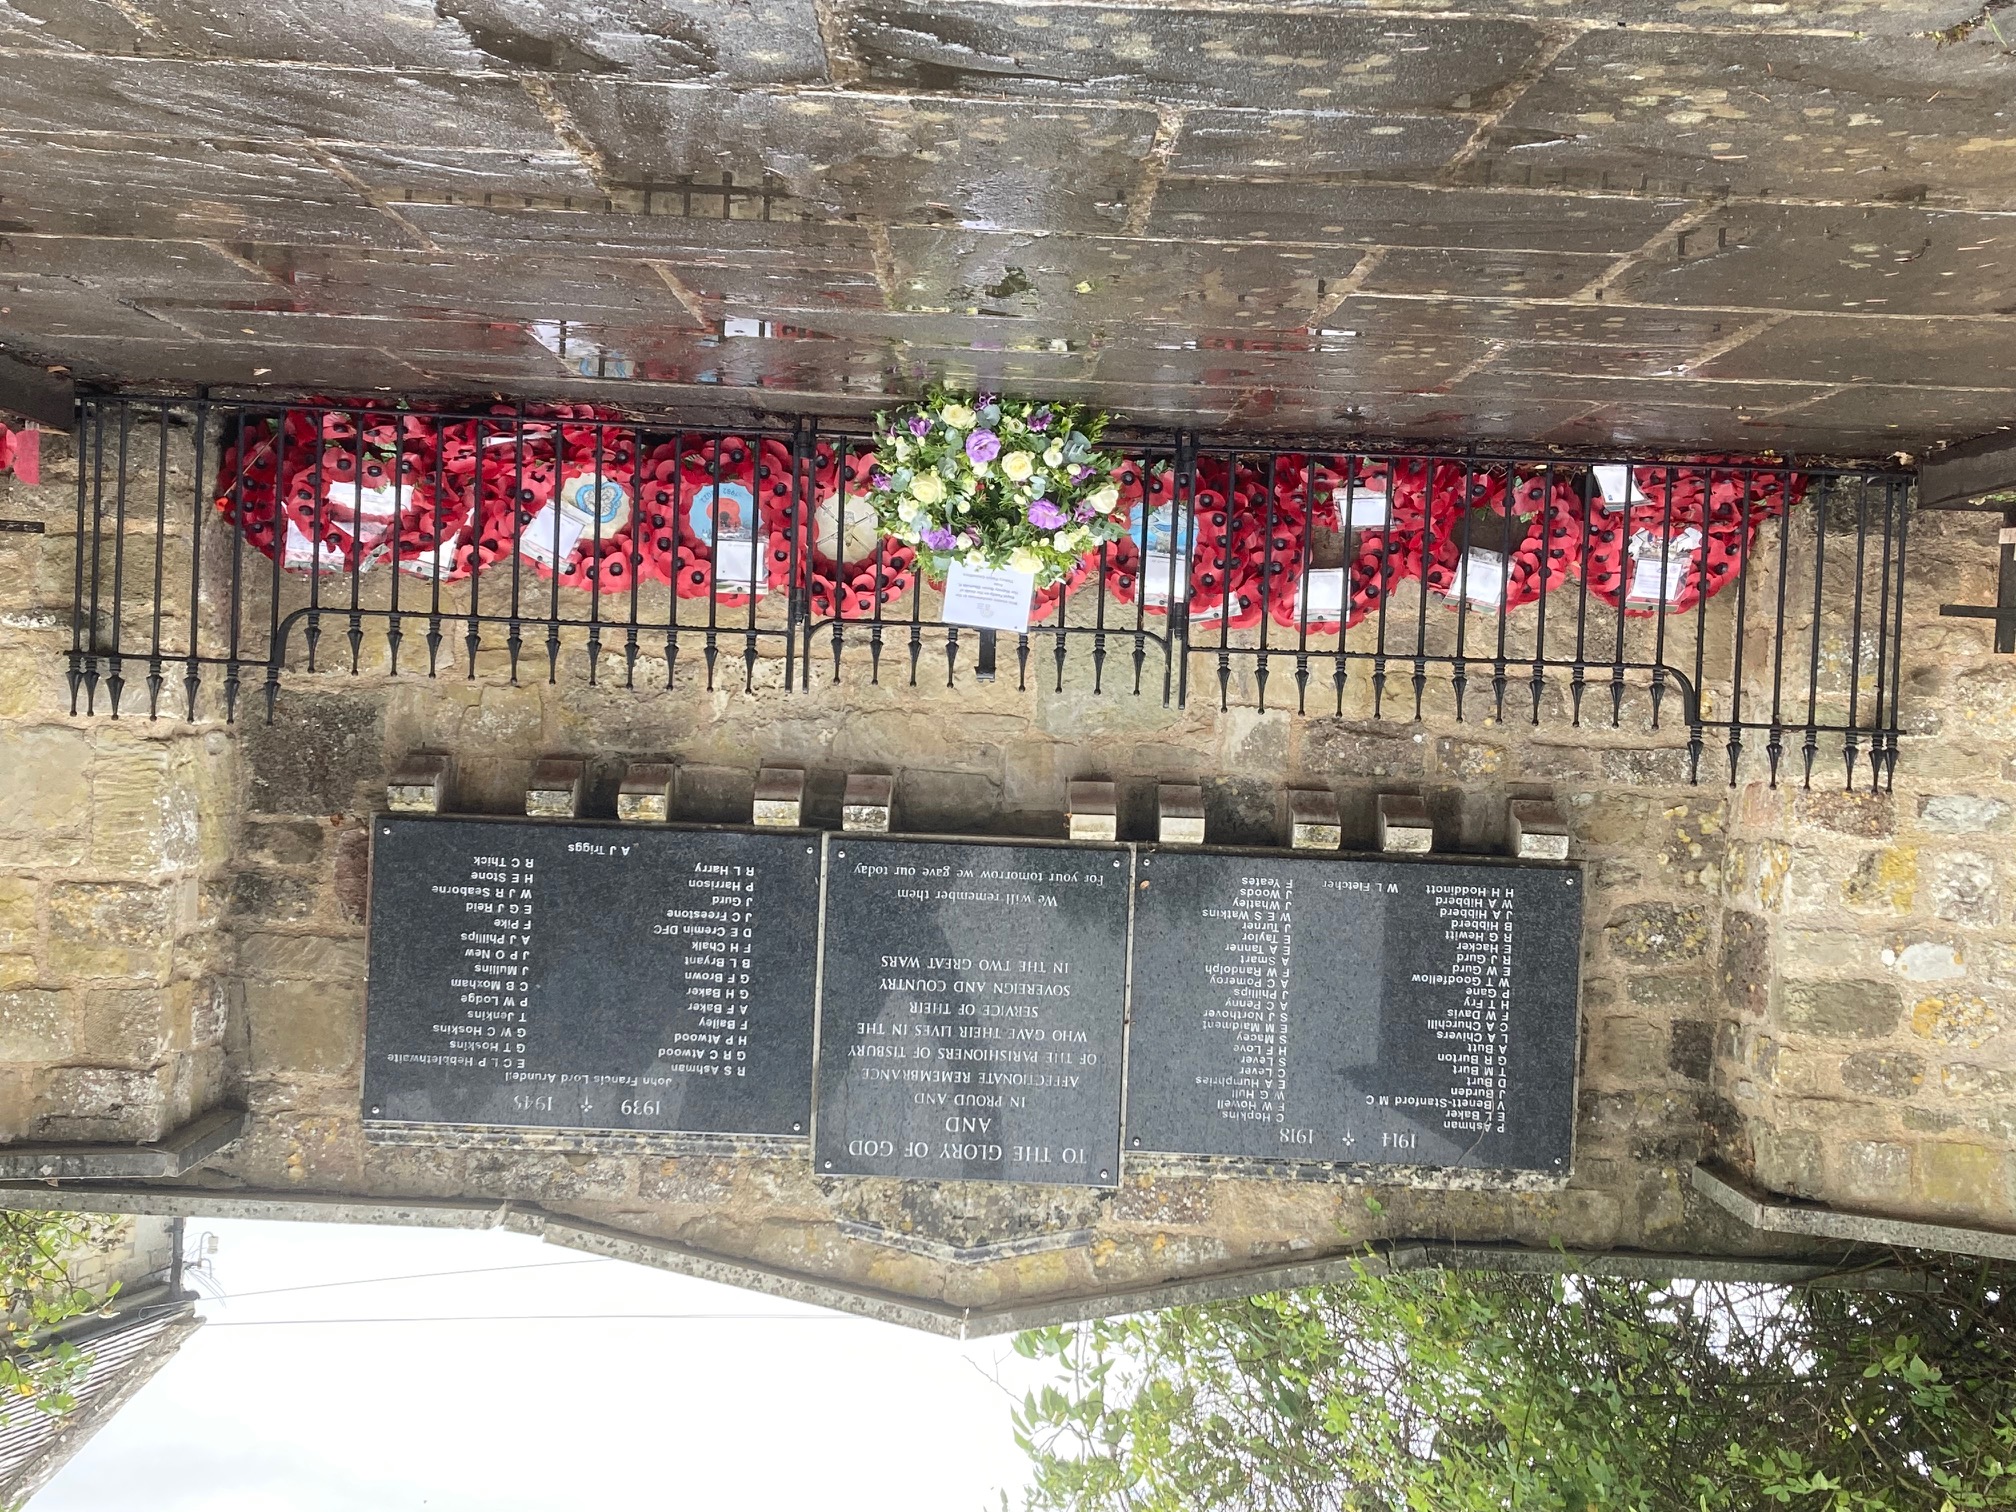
[533,974]
[1418,1013]
[971,1004]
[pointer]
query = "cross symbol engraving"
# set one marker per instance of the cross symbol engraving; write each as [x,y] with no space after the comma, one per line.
[2003,612]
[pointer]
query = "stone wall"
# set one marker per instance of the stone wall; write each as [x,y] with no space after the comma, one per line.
[1872,1066]
[1810,981]
[114,845]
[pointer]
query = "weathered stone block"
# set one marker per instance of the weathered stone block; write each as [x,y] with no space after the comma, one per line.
[1840,1010]
[1468,760]
[100,1103]
[1658,932]
[299,1028]
[1883,1073]
[1869,815]
[142,816]
[1611,818]
[1927,961]
[1630,1052]
[1965,1178]
[284,842]
[1691,1052]
[47,790]
[1332,748]
[1874,1169]
[127,1027]
[1746,966]
[1978,1081]
[108,930]
[18,970]
[314,760]
[1789,1161]
[1670,992]
[35,1026]
[20,904]
[1963,888]
[271,897]
[1963,814]
[1957,1018]
[948,801]
[301,957]
[1884,881]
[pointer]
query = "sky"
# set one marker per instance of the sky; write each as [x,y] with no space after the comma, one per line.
[653,1391]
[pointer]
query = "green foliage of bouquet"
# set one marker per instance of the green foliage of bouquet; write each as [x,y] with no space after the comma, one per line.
[994,482]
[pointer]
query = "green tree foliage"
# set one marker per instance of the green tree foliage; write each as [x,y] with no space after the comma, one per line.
[38,1371]
[1465,1391]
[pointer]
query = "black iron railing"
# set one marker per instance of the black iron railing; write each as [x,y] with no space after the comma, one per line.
[1756,604]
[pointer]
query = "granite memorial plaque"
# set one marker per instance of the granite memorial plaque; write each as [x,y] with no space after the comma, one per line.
[534,974]
[971,1009]
[1418,1013]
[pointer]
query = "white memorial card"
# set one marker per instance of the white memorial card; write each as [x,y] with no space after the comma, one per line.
[1480,577]
[1160,572]
[552,534]
[735,567]
[1647,557]
[988,598]
[1618,488]
[299,554]
[1362,508]
[1322,595]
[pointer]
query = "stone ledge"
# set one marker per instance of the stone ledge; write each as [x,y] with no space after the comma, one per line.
[182,1151]
[933,1315]
[1770,1213]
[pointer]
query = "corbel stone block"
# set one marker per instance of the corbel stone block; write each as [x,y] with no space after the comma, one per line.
[1094,811]
[1537,830]
[1313,820]
[646,794]
[780,797]
[1404,825]
[866,803]
[420,784]
[554,791]
[1179,814]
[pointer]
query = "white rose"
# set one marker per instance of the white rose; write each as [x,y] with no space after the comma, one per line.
[1022,559]
[1017,466]
[1103,500]
[1054,457]
[976,558]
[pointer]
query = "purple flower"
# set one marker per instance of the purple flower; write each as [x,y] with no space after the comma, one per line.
[1044,515]
[880,480]
[1080,472]
[1083,513]
[1040,421]
[983,446]
[983,401]
[919,426]
[938,538]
